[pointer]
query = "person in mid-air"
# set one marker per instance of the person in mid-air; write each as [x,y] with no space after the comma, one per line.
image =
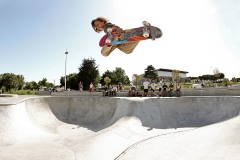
[102,24]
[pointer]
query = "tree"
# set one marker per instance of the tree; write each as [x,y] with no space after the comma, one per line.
[73,81]
[31,85]
[175,75]
[151,73]
[207,77]
[219,76]
[108,74]
[107,80]
[62,81]
[119,76]
[42,83]
[9,81]
[136,79]
[225,82]
[21,81]
[88,72]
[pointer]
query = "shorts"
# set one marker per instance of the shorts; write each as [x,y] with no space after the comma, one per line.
[127,48]
[145,90]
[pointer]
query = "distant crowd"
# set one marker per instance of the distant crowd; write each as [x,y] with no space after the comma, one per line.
[150,88]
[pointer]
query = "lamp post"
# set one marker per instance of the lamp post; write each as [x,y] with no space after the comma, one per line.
[65,70]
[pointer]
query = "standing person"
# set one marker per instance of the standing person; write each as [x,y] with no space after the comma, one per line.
[145,87]
[90,87]
[178,89]
[160,86]
[102,24]
[80,85]
[153,86]
[110,90]
[114,90]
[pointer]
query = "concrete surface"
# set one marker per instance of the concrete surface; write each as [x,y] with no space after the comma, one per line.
[96,127]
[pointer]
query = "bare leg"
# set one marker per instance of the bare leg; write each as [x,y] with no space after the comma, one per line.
[107,50]
[128,47]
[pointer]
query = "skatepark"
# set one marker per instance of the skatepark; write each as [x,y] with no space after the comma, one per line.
[96,127]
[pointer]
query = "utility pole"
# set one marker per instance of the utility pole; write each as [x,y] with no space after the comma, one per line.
[65,70]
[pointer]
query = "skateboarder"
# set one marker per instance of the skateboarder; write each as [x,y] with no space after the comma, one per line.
[102,24]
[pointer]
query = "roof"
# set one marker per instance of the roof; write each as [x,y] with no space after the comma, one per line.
[170,70]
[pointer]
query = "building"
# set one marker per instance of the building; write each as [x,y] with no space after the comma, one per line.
[166,74]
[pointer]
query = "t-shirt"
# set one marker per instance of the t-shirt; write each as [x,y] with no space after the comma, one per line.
[153,85]
[146,84]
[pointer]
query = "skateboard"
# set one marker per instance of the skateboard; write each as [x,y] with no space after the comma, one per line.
[130,35]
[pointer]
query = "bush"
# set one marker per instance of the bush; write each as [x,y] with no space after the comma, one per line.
[22,92]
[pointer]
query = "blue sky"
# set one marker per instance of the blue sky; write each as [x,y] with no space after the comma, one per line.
[198,36]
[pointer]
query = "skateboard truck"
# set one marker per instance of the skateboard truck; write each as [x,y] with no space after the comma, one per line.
[145,29]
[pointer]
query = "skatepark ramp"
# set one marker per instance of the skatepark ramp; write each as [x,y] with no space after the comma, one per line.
[85,127]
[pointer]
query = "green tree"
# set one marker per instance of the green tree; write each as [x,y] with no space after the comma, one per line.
[21,82]
[119,76]
[207,77]
[88,72]
[107,80]
[219,76]
[42,83]
[136,79]
[175,75]
[234,80]
[150,73]
[62,81]
[31,85]
[73,81]
[108,74]
[9,81]
[226,82]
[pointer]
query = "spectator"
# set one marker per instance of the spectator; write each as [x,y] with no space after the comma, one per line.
[80,85]
[145,87]
[114,90]
[153,86]
[120,87]
[105,90]
[160,85]
[178,90]
[132,91]
[90,87]
[110,90]
[171,86]
[164,91]
[178,87]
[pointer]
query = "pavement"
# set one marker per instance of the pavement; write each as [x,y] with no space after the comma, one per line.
[107,128]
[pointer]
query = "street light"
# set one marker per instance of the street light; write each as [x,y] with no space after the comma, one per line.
[65,70]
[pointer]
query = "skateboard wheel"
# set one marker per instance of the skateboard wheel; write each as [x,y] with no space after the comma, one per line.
[108,41]
[145,34]
[109,30]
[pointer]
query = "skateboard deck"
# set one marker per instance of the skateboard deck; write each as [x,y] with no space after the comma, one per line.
[130,35]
